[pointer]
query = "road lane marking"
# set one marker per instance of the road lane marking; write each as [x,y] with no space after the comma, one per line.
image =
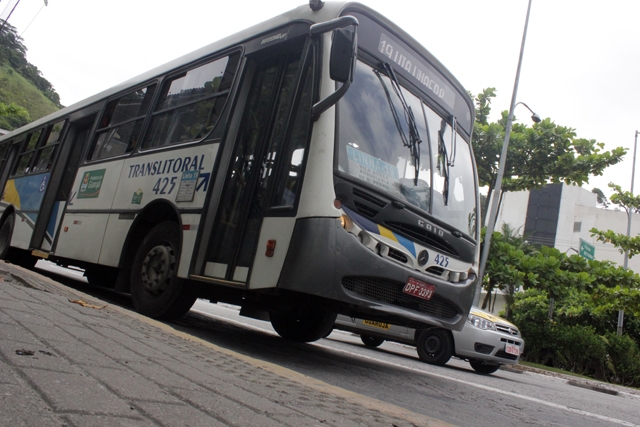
[468,383]
[492,389]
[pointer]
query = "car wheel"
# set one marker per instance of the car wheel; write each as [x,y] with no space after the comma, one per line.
[370,341]
[302,325]
[156,291]
[483,368]
[435,346]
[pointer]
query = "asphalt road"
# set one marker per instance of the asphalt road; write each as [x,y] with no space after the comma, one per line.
[393,373]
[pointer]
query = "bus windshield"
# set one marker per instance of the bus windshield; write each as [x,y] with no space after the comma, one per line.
[431,170]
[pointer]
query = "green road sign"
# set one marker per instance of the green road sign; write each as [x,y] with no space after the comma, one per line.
[587,250]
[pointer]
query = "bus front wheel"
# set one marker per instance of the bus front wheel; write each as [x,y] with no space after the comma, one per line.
[156,290]
[302,325]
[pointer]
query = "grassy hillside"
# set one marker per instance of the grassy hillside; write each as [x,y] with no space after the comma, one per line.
[16,89]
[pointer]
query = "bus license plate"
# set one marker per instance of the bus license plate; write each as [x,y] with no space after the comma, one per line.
[419,289]
[376,324]
[512,349]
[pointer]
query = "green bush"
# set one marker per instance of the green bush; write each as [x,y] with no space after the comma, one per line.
[623,360]
[577,339]
[579,349]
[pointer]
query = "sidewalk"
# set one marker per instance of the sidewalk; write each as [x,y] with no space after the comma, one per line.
[68,359]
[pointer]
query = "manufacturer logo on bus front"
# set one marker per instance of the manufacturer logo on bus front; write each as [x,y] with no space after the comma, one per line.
[431,228]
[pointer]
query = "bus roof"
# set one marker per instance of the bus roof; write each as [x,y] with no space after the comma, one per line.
[302,13]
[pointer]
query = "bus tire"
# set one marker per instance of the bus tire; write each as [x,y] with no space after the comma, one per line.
[156,290]
[6,232]
[16,256]
[435,346]
[304,325]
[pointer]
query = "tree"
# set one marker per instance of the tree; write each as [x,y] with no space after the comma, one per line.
[542,153]
[624,243]
[14,53]
[601,198]
[507,251]
[14,115]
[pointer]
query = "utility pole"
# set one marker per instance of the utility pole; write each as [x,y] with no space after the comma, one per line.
[495,197]
[629,212]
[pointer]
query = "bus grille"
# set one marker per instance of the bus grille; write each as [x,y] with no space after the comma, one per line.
[390,292]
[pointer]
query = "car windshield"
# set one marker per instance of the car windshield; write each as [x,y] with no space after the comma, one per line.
[390,139]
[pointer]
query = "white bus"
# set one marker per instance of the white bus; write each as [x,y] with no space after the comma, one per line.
[314,164]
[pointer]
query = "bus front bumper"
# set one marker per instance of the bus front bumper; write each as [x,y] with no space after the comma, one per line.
[327,262]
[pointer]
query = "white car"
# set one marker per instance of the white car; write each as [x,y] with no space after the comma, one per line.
[486,341]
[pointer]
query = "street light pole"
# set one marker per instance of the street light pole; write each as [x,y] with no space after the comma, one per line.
[629,212]
[495,197]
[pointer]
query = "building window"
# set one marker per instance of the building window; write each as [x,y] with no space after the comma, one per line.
[577,226]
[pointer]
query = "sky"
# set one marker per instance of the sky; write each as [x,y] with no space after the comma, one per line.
[581,63]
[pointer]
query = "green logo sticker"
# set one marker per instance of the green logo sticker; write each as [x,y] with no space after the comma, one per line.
[91,184]
[137,197]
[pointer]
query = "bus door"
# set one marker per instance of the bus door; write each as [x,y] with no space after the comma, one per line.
[263,177]
[59,192]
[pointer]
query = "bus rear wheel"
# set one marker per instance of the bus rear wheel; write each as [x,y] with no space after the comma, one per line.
[156,290]
[302,325]
[6,231]
[16,256]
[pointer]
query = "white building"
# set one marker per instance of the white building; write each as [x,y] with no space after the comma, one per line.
[559,215]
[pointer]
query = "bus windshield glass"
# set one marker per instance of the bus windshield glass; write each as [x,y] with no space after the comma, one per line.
[397,144]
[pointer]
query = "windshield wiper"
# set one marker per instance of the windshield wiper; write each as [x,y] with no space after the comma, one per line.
[446,158]
[413,141]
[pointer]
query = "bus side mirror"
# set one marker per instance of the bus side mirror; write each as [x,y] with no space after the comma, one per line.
[342,57]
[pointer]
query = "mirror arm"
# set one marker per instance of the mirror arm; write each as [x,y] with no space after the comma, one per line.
[343,21]
[322,106]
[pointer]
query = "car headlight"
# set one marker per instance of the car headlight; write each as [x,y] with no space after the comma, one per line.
[481,323]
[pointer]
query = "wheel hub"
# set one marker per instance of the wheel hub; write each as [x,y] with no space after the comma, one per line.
[157,269]
[432,345]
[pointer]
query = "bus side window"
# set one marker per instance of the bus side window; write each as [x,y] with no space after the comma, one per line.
[46,153]
[121,124]
[190,103]
[4,152]
[24,160]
